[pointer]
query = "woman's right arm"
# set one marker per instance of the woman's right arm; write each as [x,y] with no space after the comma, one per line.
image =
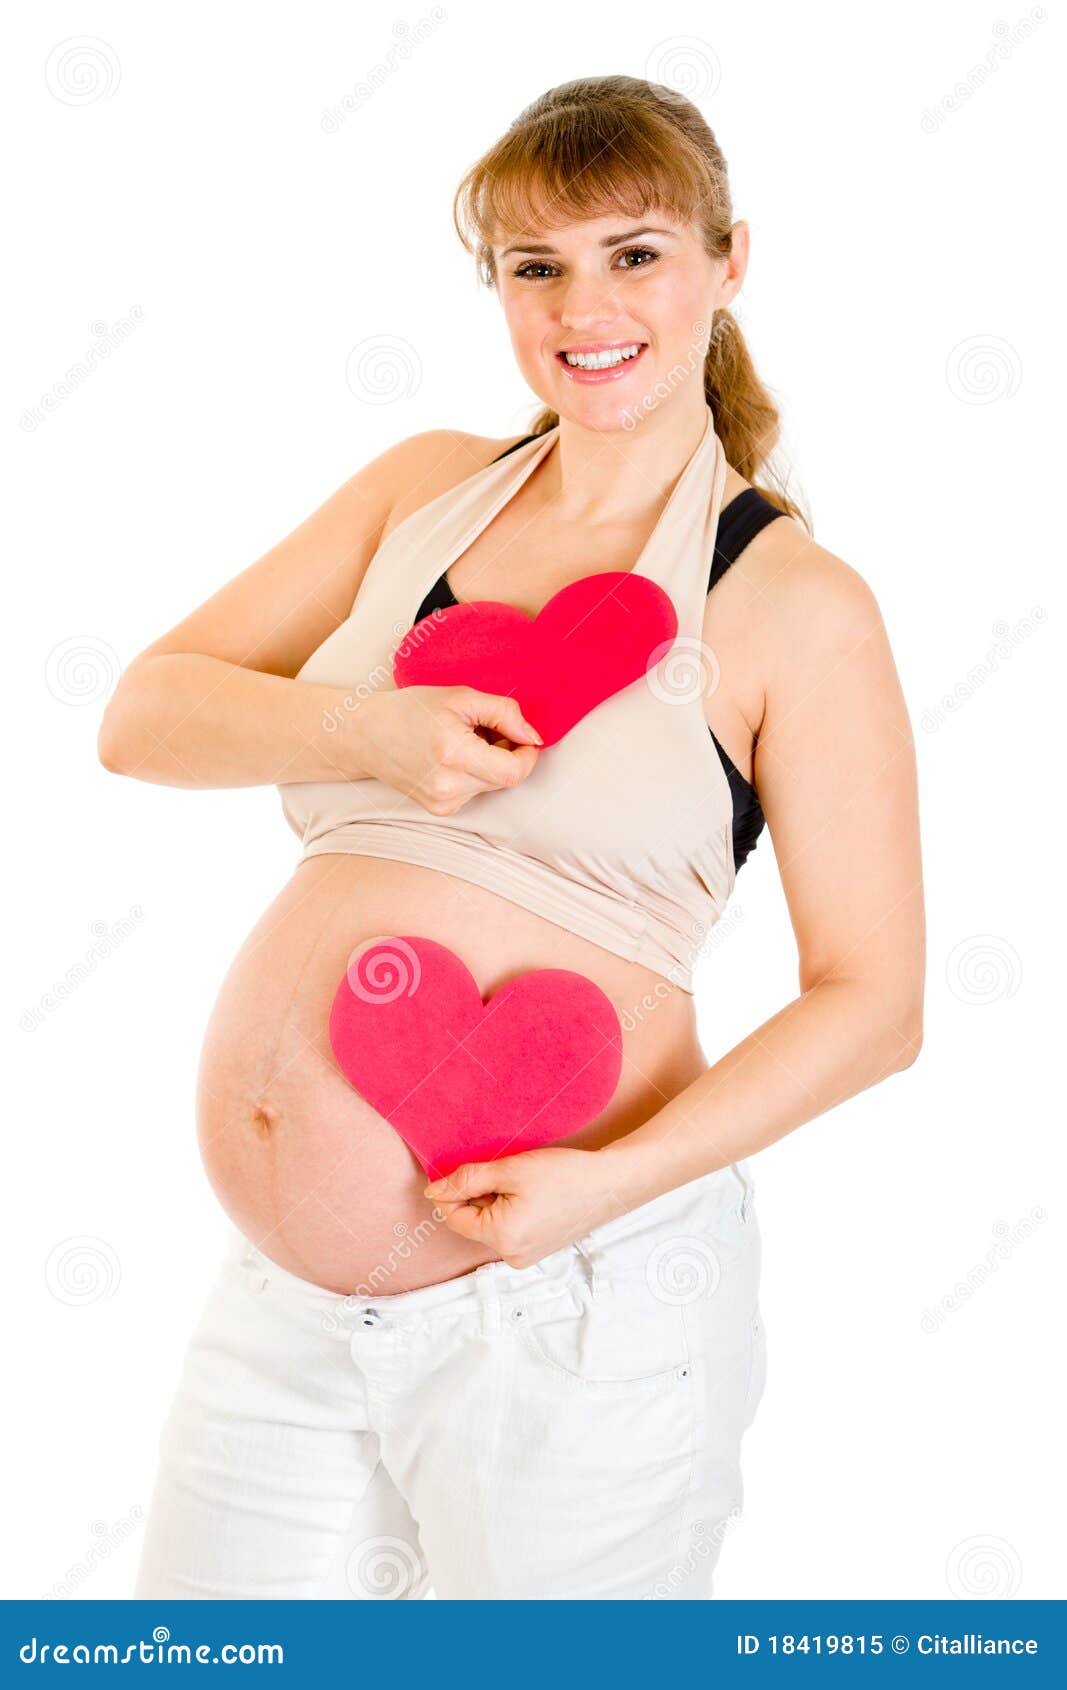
[214,702]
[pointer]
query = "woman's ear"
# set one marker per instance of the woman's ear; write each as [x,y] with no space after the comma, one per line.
[736,265]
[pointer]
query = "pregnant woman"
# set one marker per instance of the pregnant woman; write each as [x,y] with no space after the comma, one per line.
[530,1379]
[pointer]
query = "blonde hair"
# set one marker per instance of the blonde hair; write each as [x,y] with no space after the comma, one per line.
[617,143]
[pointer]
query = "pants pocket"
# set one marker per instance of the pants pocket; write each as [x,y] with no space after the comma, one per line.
[621,1338]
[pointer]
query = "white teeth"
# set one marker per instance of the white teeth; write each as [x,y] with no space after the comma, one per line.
[601,360]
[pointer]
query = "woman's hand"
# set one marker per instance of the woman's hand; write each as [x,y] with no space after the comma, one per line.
[442,745]
[526,1206]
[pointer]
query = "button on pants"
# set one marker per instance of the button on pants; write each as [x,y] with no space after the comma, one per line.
[566,1430]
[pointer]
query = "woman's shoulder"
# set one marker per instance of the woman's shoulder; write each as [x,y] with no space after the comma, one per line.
[789,611]
[816,595]
[799,584]
[457,450]
[436,461]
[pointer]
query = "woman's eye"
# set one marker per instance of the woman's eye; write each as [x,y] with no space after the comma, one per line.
[525,271]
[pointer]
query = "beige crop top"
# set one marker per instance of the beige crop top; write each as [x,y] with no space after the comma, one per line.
[622,832]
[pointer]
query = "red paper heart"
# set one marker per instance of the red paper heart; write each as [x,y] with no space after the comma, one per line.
[463,1081]
[592,638]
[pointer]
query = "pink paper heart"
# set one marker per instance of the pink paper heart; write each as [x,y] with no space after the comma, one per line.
[467,1081]
[591,639]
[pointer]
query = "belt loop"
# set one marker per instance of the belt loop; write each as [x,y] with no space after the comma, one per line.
[745,1189]
[750,1192]
[600,1281]
[486,1284]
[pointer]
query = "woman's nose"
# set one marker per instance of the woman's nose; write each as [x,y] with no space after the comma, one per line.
[588,304]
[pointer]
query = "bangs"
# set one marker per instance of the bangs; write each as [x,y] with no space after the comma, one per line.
[576,163]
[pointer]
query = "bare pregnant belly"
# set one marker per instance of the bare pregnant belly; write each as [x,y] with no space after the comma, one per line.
[314,1176]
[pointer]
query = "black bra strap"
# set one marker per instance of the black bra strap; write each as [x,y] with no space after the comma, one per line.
[739,522]
[525,441]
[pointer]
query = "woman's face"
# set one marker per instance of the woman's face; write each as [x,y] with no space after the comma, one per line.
[610,284]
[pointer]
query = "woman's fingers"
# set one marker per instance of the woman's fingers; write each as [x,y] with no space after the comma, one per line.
[499,711]
[493,766]
[498,751]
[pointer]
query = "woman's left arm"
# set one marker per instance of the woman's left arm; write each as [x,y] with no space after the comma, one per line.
[835,770]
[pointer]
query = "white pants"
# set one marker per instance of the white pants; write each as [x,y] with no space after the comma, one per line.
[570,1429]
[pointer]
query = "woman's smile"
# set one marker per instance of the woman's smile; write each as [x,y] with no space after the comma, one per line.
[595,361]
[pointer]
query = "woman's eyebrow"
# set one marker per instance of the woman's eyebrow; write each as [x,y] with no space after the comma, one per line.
[609,240]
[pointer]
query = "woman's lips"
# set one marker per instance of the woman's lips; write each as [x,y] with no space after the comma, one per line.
[589,378]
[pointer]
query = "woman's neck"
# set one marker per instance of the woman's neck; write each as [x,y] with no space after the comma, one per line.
[598,478]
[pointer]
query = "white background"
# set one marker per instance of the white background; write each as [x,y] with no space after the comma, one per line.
[177,173]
